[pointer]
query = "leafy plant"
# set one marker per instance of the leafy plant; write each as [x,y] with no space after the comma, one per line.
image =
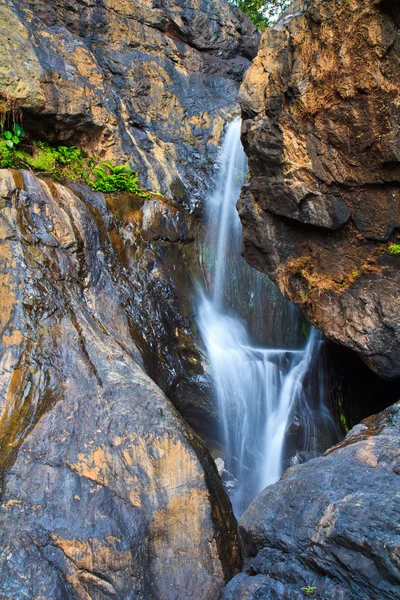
[6,156]
[309,591]
[108,178]
[394,248]
[66,162]
[262,12]
[14,136]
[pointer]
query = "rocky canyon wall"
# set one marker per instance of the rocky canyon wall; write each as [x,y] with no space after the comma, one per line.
[321,109]
[106,492]
[329,528]
[321,218]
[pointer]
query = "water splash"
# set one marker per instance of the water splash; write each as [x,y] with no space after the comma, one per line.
[264,395]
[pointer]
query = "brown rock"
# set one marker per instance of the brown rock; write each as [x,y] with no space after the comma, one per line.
[321,117]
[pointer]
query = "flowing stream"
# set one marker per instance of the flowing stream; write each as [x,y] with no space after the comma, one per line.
[271,400]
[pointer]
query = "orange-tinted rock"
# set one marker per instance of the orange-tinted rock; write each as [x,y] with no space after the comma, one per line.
[321,117]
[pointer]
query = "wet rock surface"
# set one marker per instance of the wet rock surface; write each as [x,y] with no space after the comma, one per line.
[321,116]
[329,526]
[152,248]
[151,83]
[105,492]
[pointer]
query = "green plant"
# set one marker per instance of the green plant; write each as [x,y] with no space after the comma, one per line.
[305,329]
[14,136]
[394,248]
[6,156]
[67,163]
[262,12]
[108,178]
[309,590]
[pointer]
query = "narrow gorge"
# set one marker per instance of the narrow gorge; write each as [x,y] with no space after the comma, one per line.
[199,305]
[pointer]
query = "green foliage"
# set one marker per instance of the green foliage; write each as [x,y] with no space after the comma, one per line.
[67,163]
[394,248]
[305,328]
[309,590]
[262,12]
[6,155]
[108,178]
[342,416]
[343,421]
[14,136]
[252,8]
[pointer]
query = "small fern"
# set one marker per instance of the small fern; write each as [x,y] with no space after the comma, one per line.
[108,178]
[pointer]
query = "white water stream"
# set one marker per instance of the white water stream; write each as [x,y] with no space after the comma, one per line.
[261,392]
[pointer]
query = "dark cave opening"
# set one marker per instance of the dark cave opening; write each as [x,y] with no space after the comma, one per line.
[356,391]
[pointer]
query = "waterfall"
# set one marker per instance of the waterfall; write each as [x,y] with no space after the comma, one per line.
[264,395]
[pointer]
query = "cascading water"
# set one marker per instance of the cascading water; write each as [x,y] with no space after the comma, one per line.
[265,396]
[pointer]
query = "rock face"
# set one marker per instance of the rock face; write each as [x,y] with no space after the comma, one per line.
[149,82]
[106,493]
[330,525]
[322,209]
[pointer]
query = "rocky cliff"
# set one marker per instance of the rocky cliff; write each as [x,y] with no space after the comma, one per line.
[321,213]
[149,82]
[329,529]
[105,492]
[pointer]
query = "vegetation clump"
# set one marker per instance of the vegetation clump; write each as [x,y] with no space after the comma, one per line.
[109,178]
[261,12]
[309,590]
[394,248]
[66,163]
[14,136]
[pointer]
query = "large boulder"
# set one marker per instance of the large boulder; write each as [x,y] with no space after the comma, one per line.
[321,213]
[147,82]
[105,491]
[329,529]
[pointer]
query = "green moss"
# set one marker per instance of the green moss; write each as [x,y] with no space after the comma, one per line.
[343,421]
[342,416]
[305,329]
[43,159]
[309,590]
